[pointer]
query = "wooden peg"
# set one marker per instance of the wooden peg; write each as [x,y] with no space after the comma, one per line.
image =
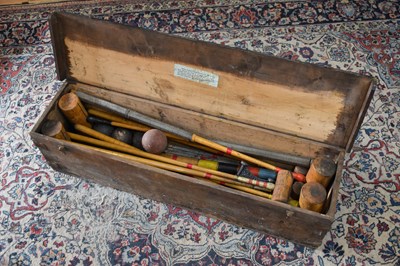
[73,109]
[283,185]
[322,170]
[54,129]
[312,196]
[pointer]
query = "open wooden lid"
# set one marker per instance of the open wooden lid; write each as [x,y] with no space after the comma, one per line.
[298,99]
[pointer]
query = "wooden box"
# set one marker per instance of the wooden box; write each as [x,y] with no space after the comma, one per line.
[241,97]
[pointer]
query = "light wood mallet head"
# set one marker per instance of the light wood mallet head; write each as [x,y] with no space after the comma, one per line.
[322,170]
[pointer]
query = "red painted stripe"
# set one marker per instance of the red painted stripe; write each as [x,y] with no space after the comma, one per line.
[299,177]
[207,175]
[253,170]
[228,151]
[277,169]
[174,157]
[189,165]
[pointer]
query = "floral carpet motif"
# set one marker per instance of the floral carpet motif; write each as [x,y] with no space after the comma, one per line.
[49,218]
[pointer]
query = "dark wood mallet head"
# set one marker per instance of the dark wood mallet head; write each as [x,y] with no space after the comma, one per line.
[122,134]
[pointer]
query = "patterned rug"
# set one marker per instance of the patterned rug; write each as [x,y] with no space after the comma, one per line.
[48,218]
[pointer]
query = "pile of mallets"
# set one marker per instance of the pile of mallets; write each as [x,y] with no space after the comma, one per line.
[114,129]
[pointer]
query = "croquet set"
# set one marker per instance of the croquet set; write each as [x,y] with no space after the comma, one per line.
[251,139]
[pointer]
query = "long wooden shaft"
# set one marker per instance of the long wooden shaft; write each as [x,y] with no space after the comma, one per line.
[197,146]
[132,127]
[237,154]
[112,117]
[209,164]
[250,190]
[275,156]
[247,171]
[111,143]
[291,202]
[218,180]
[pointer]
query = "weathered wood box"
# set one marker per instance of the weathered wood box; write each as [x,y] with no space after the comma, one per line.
[241,97]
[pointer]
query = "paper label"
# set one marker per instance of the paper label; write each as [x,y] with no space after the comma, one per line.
[196,75]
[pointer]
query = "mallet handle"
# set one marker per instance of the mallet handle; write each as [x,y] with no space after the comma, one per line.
[170,167]
[226,150]
[108,142]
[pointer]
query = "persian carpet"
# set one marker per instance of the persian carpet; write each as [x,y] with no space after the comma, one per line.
[49,218]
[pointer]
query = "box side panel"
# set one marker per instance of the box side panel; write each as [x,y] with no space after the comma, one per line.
[364,107]
[52,106]
[333,194]
[243,209]
[57,39]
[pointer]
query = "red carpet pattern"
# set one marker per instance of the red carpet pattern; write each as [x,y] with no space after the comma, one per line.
[48,218]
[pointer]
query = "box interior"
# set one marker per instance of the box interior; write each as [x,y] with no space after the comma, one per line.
[54,113]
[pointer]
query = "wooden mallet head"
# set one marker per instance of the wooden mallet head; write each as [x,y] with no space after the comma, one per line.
[283,186]
[322,170]
[312,196]
[54,129]
[73,109]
